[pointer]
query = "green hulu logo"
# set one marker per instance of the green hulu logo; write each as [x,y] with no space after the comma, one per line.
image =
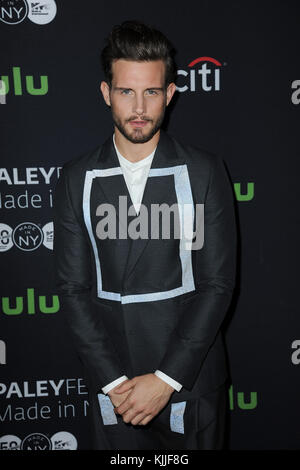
[240,399]
[29,83]
[245,196]
[29,304]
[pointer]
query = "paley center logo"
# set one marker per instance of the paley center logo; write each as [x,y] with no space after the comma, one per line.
[13,12]
[202,74]
[26,236]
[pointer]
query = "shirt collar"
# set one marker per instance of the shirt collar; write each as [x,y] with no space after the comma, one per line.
[133,165]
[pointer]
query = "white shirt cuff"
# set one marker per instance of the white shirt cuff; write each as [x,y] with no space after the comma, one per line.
[113,384]
[168,379]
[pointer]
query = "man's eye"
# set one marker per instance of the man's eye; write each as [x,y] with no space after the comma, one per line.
[152,92]
[125,92]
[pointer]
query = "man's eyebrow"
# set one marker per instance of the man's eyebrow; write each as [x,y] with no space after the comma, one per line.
[121,88]
[154,88]
[150,88]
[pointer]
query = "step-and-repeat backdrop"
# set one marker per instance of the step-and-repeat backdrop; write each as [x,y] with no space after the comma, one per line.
[238,96]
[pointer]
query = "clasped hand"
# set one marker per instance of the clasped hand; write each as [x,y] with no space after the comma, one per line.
[140,399]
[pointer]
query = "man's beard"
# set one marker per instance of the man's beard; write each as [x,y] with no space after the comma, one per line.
[137,136]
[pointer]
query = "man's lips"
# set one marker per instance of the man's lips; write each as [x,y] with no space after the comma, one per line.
[138,123]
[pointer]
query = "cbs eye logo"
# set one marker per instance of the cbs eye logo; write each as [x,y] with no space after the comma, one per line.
[62,440]
[13,12]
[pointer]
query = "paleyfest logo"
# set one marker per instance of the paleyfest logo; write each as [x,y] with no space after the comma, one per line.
[203,74]
[13,12]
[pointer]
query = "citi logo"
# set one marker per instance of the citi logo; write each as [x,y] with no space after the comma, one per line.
[15,84]
[203,74]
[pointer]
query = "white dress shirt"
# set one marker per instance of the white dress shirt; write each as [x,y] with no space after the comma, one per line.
[136,174]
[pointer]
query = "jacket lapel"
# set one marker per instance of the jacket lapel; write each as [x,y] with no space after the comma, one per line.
[108,159]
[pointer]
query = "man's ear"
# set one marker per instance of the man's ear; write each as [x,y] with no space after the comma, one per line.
[170,92]
[104,87]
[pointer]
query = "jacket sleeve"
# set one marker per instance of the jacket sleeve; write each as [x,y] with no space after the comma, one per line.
[73,271]
[203,311]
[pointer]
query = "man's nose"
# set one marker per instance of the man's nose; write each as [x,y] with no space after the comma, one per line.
[139,104]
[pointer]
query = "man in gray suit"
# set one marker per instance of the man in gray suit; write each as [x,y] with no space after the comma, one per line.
[146,311]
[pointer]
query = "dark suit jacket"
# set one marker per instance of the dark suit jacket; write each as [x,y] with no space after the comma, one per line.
[135,306]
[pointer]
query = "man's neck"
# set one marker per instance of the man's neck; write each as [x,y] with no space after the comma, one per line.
[135,152]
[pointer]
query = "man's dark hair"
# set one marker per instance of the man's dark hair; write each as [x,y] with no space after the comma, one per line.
[133,40]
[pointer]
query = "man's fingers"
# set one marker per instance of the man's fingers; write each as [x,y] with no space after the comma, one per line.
[124,387]
[141,419]
[146,420]
[130,415]
[117,401]
[124,407]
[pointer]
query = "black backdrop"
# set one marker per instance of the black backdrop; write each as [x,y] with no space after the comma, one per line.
[243,105]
